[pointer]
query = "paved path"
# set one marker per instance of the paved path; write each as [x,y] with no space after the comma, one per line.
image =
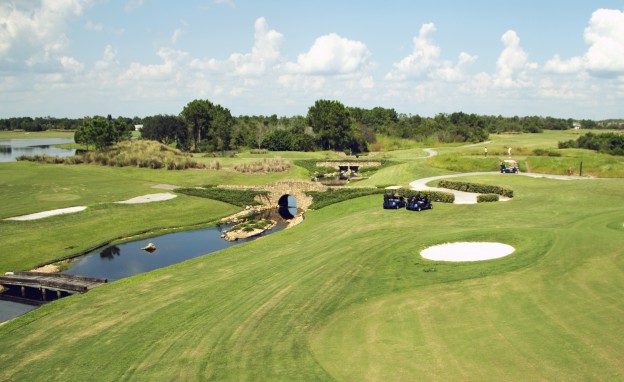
[462,197]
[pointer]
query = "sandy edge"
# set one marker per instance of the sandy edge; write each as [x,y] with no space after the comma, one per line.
[467,251]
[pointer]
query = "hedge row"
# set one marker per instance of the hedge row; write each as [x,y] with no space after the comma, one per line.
[434,196]
[485,198]
[476,187]
[239,198]
[335,195]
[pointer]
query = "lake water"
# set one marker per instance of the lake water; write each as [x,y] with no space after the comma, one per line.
[10,149]
[115,262]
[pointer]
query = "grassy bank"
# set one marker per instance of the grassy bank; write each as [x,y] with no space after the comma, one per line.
[342,296]
[321,302]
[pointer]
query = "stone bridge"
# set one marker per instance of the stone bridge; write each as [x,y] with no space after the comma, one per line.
[279,192]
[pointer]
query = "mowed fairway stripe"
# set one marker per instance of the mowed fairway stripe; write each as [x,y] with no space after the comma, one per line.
[345,296]
[553,321]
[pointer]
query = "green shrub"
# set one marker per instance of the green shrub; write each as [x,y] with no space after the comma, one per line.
[485,198]
[545,153]
[476,187]
[336,195]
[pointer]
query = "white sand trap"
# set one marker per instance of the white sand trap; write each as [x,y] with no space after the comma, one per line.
[45,214]
[149,198]
[467,251]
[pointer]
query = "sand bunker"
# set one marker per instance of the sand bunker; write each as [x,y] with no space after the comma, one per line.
[467,251]
[45,214]
[149,198]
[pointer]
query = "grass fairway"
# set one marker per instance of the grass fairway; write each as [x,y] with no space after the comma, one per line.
[345,296]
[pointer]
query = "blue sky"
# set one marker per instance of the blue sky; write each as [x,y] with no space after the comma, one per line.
[143,57]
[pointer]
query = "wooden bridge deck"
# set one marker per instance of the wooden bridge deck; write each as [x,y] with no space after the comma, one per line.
[52,281]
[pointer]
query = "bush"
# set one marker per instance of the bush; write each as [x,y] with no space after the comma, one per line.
[336,195]
[476,187]
[545,153]
[485,198]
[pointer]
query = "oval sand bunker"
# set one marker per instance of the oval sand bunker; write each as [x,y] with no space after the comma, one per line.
[467,251]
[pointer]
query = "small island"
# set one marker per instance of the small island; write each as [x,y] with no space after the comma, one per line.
[248,228]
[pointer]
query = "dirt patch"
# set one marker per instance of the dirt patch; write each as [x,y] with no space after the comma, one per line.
[47,269]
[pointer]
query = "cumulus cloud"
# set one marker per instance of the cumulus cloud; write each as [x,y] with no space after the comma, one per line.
[513,66]
[332,54]
[425,61]
[605,37]
[264,54]
[32,35]
[559,66]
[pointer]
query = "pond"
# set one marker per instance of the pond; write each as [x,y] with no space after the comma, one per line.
[115,262]
[10,149]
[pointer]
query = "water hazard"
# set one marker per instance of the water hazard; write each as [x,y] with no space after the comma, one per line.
[11,149]
[115,262]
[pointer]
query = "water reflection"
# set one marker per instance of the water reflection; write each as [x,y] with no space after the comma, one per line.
[123,260]
[127,259]
[109,253]
[11,149]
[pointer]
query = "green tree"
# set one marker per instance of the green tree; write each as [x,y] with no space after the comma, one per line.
[166,129]
[101,132]
[209,124]
[331,123]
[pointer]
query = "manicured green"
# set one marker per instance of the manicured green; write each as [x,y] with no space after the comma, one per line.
[346,296]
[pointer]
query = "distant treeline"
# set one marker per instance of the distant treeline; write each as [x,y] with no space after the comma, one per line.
[51,123]
[608,143]
[203,126]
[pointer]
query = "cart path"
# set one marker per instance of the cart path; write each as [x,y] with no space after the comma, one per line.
[462,197]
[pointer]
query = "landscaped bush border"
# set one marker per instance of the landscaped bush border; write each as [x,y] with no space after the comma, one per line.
[485,198]
[434,196]
[239,198]
[335,195]
[476,187]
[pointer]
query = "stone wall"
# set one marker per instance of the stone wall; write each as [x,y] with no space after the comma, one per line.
[337,165]
[295,188]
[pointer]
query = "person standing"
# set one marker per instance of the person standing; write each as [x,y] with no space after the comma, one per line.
[509,151]
[485,152]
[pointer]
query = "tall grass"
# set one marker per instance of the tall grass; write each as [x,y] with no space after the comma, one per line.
[265,165]
[145,154]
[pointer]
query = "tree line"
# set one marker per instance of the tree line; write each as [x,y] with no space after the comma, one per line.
[203,126]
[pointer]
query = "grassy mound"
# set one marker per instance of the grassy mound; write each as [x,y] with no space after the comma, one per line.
[146,154]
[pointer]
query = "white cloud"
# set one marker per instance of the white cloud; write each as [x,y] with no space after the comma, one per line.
[332,54]
[264,54]
[425,61]
[34,35]
[513,67]
[132,5]
[172,62]
[605,37]
[559,66]
[90,25]
[71,64]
